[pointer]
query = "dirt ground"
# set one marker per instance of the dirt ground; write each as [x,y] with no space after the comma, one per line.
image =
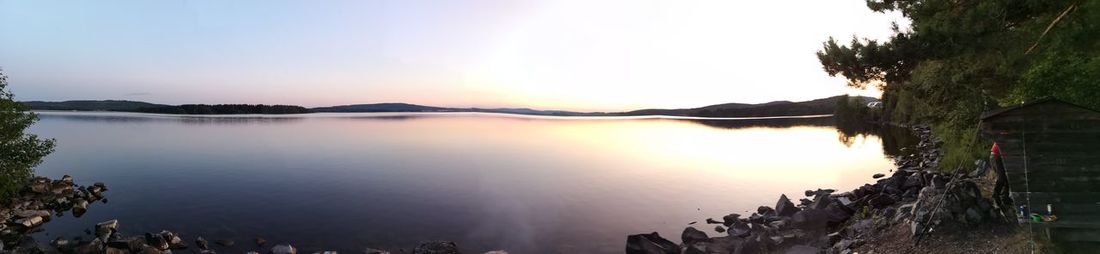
[985,238]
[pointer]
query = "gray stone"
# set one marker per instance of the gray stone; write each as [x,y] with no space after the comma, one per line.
[691,235]
[29,222]
[378,251]
[730,219]
[973,215]
[725,244]
[287,249]
[739,229]
[651,243]
[202,243]
[156,241]
[784,207]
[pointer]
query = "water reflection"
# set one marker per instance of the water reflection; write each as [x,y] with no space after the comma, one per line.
[488,181]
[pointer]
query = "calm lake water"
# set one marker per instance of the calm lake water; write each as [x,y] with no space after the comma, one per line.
[487,181]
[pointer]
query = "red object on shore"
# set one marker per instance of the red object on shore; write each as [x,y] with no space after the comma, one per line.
[996,150]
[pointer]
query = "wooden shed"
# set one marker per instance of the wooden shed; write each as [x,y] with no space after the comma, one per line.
[1051,152]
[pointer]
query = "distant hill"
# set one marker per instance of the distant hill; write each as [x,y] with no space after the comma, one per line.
[382,107]
[405,107]
[776,108]
[91,105]
[226,109]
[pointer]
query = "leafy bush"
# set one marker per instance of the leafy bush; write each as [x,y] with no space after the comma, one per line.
[19,152]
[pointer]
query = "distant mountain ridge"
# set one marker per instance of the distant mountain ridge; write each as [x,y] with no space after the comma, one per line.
[91,105]
[776,108]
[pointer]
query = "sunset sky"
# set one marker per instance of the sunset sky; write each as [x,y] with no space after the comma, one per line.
[603,55]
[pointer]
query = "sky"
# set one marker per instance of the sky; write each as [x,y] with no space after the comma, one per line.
[604,55]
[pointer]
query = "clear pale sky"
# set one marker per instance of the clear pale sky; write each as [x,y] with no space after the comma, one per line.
[601,55]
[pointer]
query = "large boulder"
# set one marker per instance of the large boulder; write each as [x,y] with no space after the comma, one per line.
[692,235]
[809,220]
[881,201]
[765,211]
[651,243]
[821,201]
[739,229]
[730,219]
[784,207]
[156,241]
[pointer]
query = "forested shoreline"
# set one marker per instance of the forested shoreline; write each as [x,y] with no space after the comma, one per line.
[226,109]
[958,59]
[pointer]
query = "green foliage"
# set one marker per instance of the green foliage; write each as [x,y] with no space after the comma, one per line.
[19,152]
[960,58]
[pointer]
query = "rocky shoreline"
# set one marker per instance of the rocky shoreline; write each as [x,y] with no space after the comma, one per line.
[43,199]
[916,195]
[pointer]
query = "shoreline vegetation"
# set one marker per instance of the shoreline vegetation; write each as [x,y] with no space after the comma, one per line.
[771,109]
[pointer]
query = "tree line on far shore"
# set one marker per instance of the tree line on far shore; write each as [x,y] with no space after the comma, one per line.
[205,109]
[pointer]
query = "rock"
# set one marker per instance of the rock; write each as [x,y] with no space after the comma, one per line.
[113,250]
[844,200]
[915,228]
[29,222]
[784,207]
[174,241]
[802,249]
[725,244]
[133,244]
[496,252]
[719,229]
[765,210]
[881,201]
[712,221]
[107,226]
[156,241]
[260,241]
[31,213]
[730,219]
[821,201]
[377,251]
[93,247]
[651,243]
[878,175]
[912,182]
[80,206]
[809,220]
[443,247]
[739,229]
[287,249]
[691,235]
[757,218]
[202,243]
[939,182]
[225,242]
[973,215]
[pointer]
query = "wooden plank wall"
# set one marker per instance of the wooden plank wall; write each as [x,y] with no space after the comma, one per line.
[1059,144]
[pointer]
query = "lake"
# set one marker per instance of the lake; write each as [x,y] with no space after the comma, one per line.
[486,181]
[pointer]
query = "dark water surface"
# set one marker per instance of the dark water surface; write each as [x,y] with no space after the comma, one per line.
[487,181]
